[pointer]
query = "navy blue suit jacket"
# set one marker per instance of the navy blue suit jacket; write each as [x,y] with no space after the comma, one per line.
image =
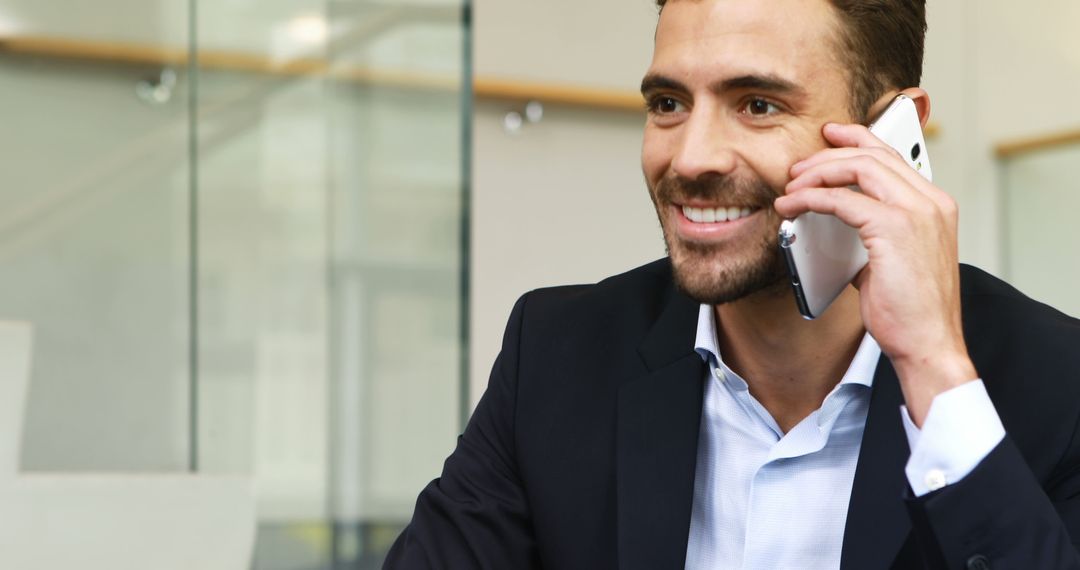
[581,452]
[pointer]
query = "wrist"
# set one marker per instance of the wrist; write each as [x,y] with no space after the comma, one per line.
[923,378]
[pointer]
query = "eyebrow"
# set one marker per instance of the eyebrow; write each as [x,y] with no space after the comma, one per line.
[765,83]
[656,82]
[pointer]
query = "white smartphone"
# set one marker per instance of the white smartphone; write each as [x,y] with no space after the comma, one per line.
[824,254]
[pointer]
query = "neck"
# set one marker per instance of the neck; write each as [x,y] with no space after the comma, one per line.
[790,363]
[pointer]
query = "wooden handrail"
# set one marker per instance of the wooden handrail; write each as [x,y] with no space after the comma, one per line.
[512,90]
[92,50]
[489,88]
[131,53]
[483,88]
[141,54]
[1017,147]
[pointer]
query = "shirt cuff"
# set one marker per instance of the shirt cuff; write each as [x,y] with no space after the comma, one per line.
[961,429]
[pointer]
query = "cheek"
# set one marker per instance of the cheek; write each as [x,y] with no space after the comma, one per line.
[773,168]
[773,161]
[655,155]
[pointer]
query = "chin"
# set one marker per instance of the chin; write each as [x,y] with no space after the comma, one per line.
[709,274]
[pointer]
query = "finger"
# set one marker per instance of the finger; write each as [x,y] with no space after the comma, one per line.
[851,135]
[867,172]
[859,136]
[887,155]
[853,208]
[853,138]
[850,138]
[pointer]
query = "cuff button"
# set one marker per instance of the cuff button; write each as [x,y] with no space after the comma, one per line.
[935,479]
[978,562]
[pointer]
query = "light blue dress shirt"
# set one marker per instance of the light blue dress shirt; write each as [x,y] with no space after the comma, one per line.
[766,500]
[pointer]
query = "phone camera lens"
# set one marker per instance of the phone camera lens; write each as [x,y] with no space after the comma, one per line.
[916,151]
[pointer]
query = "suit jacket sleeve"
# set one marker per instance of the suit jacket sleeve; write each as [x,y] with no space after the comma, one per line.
[1020,506]
[476,515]
[999,516]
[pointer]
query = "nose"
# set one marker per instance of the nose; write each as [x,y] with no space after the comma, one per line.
[703,147]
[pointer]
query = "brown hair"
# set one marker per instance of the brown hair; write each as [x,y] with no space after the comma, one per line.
[881,42]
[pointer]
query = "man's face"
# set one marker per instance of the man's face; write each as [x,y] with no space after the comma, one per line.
[738,91]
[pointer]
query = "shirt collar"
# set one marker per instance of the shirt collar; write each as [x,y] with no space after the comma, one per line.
[860,371]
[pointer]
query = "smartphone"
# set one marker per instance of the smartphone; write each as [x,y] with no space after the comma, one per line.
[824,254]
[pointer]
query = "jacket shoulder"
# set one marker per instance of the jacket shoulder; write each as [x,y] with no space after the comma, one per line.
[986,297]
[636,295]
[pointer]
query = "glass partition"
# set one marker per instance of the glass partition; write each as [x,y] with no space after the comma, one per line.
[395,130]
[94,237]
[238,230]
[1040,195]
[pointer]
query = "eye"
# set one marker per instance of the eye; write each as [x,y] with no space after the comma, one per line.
[758,107]
[664,105]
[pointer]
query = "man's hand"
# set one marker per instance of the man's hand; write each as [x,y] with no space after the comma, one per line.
[910,289]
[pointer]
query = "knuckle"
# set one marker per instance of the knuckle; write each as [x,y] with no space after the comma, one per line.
[945,207]
[867,161]
[886,153]
[836,193]
[949,207]
[926,207]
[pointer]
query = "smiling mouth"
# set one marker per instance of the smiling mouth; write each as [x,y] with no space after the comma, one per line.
[714,215]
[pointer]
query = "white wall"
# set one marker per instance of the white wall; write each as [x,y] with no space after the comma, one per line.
[996,69]
[1041,200]
[601,43]
[563,202]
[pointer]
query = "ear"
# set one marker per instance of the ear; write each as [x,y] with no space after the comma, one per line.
[922,102]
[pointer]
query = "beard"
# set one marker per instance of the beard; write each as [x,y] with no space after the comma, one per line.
[718,273]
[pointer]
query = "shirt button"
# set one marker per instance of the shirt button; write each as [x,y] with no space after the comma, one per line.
[719,373]
[935,479]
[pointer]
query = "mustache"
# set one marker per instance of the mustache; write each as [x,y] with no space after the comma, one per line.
[717,188]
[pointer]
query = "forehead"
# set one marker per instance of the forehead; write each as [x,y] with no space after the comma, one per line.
[794,39]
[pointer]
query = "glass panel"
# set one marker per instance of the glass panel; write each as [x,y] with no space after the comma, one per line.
[264,264]
[94,234]
[262,283]
[1041,196]
[330,265]
[309,179]
[397,162]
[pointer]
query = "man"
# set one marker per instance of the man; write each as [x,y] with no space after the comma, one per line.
[684,415]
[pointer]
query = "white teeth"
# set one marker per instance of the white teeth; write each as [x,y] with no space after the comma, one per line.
[713,215]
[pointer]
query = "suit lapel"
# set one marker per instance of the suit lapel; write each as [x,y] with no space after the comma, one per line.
[658,423]
[877,521]
[656,443]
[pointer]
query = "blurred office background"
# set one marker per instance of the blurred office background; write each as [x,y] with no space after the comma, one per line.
[236,229]
[265,250]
